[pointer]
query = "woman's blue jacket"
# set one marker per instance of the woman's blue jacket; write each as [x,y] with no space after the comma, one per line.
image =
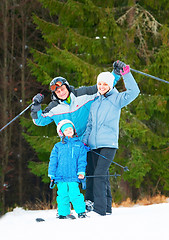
[103,122]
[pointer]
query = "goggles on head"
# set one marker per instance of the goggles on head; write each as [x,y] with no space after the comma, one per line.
[57,82]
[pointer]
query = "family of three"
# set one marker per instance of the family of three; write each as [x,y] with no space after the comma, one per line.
[87,119]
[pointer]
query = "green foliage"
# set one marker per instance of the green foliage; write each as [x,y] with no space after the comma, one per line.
[40,170]
[139,167]
[42,141]
[84,38]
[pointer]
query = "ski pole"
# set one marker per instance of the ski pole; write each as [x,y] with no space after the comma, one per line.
[148,75]
[17,116]
[83,181]
[95,176]
[124,168]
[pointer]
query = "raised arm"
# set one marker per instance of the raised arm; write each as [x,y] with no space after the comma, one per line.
[132,89]
[39,117]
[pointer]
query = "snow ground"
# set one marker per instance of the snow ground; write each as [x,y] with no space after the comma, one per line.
[134,223]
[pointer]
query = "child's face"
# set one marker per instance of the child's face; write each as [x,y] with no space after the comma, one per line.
[68,132]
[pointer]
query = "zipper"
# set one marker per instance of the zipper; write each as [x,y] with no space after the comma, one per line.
[71,155]
[96,121]
[72,152]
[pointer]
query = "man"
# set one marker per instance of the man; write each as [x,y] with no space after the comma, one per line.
[67,103]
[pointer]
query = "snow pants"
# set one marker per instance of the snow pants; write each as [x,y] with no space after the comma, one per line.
[101,185]
[69,192]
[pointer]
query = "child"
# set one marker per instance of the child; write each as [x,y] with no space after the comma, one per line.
[66,167]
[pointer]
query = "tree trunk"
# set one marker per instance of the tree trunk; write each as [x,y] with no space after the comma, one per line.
[4,103]
[22,66]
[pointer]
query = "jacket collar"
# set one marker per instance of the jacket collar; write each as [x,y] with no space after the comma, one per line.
[54,98]
[74,139]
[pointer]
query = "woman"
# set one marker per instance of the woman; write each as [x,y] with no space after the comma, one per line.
[102,132]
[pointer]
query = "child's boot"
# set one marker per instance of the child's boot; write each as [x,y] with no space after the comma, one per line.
[82,215]
[70,216]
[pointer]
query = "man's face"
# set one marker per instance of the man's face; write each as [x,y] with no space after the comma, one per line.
[62,92]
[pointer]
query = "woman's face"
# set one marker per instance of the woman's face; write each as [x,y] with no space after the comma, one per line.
[103,87]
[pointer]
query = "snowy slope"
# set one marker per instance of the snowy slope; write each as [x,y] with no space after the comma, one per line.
[135,223]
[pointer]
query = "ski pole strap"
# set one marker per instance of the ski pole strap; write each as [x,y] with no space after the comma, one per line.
[148,75]
[124,168]
[52,184]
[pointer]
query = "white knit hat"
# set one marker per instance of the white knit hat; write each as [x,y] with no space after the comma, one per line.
[106,77]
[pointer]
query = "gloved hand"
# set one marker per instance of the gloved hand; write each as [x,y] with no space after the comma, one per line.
[87,147]
[126,70]
[52,184]
[35,109]
[118,65]
[38,99]
[83,183]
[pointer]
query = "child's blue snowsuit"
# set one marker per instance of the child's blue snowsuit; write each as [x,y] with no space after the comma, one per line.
[67,161]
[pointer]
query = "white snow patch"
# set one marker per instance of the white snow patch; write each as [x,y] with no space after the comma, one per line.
[138,222]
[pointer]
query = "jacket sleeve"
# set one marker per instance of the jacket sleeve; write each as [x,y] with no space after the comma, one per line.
[86,90]
[126,97]
[53,163]
[82,160]
[88,128]
[42,119]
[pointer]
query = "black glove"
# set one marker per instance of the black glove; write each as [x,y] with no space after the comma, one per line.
[35,109]
[118,65]
[38,99]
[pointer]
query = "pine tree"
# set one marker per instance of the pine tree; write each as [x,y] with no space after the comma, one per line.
[145,135]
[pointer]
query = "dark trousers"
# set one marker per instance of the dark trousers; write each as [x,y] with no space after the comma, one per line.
[98,188]
[89,181]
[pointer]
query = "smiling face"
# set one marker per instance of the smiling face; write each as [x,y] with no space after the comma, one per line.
[68,132]
[62,92]
[103,87]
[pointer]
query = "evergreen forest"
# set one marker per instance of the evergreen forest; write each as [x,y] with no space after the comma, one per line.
[43,39]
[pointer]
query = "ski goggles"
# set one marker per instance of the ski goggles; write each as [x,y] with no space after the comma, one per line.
[57,82]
